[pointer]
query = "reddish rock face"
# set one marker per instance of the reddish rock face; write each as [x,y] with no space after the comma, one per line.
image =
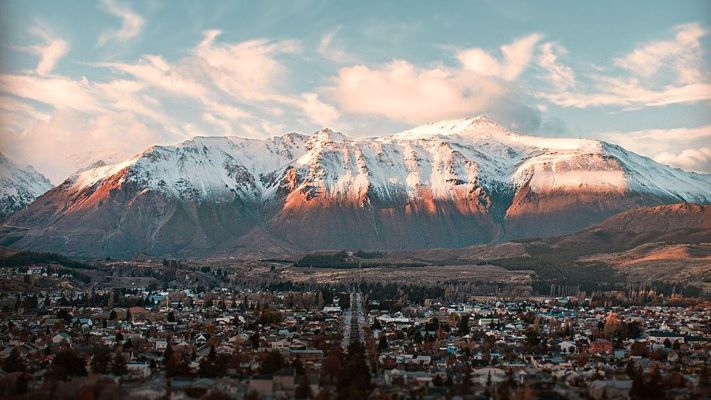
[451,184]
[123,220]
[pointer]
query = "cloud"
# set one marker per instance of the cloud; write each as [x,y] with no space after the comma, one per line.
[328,51]
[690,159]
[657,74]
[69,141]
[404,92]
[683,55]
[515,58]
[131,24]
[49,52]
[58,92]
[685,148]
[322,113]
[60,124]
[559,76]
[247,69]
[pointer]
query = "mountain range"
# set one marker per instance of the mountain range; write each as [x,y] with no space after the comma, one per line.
[19,186]
[447,184]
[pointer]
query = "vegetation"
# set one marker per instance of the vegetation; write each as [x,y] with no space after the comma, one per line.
[354,377]
[25,258]
[358,259]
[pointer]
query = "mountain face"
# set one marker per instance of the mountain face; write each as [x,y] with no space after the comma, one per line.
[19,186]
[448,184]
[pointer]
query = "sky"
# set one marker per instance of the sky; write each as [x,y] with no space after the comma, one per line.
[83,81]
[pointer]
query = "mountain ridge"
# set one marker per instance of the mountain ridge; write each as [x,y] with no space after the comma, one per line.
[19,186]
[447,184]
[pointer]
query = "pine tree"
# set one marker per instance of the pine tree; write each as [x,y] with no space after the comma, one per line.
[303,390]
[14,363]
[118,367]
[382,343]
[100,360]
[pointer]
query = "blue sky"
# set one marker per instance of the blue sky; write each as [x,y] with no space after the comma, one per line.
[83,81]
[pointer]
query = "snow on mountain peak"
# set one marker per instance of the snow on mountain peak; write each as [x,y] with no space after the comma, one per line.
[447,157]
[19,186]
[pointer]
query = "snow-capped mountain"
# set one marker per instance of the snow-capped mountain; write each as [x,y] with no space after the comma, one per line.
[19,186]
[451,183]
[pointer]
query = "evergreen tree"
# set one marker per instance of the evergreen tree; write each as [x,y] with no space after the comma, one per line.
[303,390]
[273,362]
[66,364]
[354,377]
[100,360]
[118,367]
[207,365]
[463,328]
[14,362]
[382,343]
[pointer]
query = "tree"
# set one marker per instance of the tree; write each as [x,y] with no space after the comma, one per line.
[100,360]
[207,365]
[112,316]
[331,366]
[631,369]
[303,390]
[273,362]
[354,377]
[467,380]
[168,354]
[174,363]
[14,362]
[66,364]
[119,365]
[382,343]
[298,366]
[463,328]
[254,339]
[533,339]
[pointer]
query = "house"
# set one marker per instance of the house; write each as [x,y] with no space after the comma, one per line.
[139,369]
[567,346]
[661,336]
[62,338]
[610,389]
[261,384]
[160,344]
[601,346]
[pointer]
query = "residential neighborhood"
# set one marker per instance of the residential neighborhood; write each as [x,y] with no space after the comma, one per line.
[336,342]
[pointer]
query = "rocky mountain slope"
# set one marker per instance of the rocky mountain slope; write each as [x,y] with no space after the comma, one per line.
[447,184]
[19,186]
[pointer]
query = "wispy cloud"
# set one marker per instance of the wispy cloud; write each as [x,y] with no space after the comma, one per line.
[559,76]
[515,58]
[658,73]
[131,24]
[329,51]
[682,56]
[230,88]
[50,51]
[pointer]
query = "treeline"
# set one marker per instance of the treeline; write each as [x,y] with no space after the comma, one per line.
[341,259]
[390,296]
[559,269]
[556,270]
[25,258]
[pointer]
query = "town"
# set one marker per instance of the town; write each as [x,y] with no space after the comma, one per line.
[63,335]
